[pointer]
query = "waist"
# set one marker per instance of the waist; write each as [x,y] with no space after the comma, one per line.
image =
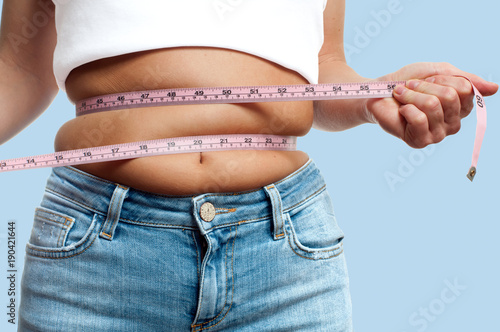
[191,173]
[226,171]
[90,192]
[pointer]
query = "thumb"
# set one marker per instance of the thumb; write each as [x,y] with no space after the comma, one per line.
[485,87]
[422,70]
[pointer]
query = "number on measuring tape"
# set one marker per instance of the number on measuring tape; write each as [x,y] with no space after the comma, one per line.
[151,148]
[214,95]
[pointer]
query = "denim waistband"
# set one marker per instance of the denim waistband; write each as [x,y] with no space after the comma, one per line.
[97,195]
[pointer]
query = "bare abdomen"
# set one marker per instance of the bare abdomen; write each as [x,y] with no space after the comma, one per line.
[186,67]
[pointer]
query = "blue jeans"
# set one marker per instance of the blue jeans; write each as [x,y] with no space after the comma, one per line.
[104,257]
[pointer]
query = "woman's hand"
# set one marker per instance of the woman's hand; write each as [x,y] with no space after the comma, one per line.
[430,106]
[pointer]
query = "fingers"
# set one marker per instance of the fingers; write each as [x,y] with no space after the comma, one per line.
[462,87]
[488,88]
[423,70]
[416,133]
[432,111]
[436,97]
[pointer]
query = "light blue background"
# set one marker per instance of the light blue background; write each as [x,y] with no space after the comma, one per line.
[406,242]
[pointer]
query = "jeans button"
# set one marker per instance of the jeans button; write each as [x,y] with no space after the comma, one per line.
[207,212]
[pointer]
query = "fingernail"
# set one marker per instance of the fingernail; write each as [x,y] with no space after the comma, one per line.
[399,89]
[430,79]
[412,84]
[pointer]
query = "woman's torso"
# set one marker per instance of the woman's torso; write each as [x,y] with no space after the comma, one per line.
[190,173]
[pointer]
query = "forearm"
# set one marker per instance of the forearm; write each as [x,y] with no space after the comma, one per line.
[27,84]
[24,97]
[338,115]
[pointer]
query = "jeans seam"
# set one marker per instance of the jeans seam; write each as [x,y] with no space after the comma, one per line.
[46,211]
[341,247]
[275,216]
[75,254]
[130,221]
[90,209]
[62,231]
[252,220]
[305,199]
[232,292]
[59,240]
[110,219]
[113,218]
[106,235]
[297,172]
[197,255]
[225,210]
[234,194]
[225,302]
[76,247]
[280,222]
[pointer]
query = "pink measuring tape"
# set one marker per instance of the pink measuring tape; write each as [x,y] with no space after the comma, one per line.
[216,95]
[480,129]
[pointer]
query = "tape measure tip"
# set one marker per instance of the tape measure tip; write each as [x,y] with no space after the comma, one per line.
[472,173]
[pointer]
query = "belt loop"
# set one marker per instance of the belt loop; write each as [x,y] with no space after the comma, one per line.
[114,210]
[278,226]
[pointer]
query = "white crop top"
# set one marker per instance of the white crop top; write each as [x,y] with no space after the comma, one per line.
[287,32]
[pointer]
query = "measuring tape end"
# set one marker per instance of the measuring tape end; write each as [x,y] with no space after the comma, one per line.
[472,173]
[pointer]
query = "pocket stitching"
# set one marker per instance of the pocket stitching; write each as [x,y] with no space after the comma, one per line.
[47,211]
[58,251]
[307,199]
[317,258]
[291,233]
[41,212]
[75,254]
[64,230]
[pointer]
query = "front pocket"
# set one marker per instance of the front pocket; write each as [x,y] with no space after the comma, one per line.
[50,228]
[57,235]
[312,230]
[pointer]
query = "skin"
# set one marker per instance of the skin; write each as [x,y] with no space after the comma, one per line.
[425,111]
